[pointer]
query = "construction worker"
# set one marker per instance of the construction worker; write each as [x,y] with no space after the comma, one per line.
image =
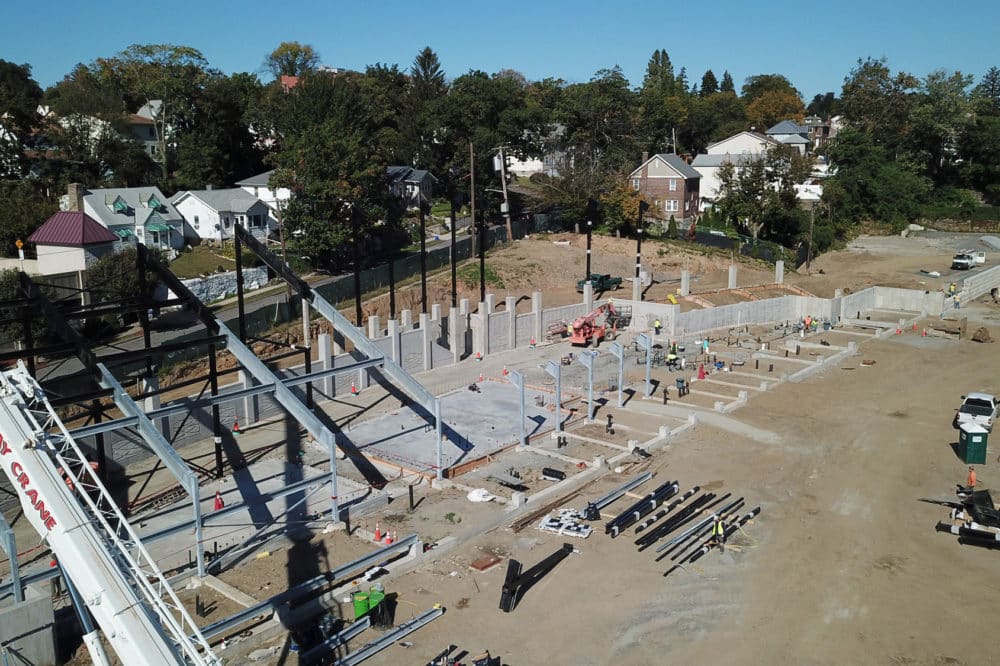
[657,326]
[970,481]
[569,330]
[719,533]
[952,288]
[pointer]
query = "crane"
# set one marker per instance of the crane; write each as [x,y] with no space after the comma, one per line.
[69,507]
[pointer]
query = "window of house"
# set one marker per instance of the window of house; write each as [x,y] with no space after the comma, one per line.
[196,220]
[673,184]
[635,183]
[255,222]
[154,237]
[226,222]
[687,206]
[671,205]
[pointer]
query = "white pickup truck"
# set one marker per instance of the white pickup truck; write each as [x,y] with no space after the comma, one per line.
[967,259]
[978,408]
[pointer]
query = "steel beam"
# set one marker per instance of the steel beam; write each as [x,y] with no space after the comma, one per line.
[257,368]
[310,586]
[517,379]
[610,497]
[107,426]
[618,351]
[361,342]
[555,371]
[159,350]
[646,343]
[587,357]
[391,637]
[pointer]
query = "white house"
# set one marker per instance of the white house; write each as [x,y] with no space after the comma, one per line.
[259,186]
[411,185]
[709,166]
[791,133]
[742,143]
[134,214]
[212,214]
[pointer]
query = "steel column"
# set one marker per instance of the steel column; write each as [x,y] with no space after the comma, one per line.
[618,351]
[517,379]
[587,358]
[555,370]
[646,343]
[9,543]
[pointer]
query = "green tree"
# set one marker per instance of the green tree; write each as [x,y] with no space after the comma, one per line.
[988,91]
[980,146]
[600,121]
[291,59]
[757,85]
[25,208]
[114,277]
[940,114]
[709,84]
[727,85]
[19,97]
[824,106]
[878,102]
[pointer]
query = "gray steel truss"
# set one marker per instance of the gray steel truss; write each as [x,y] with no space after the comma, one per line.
[391,637]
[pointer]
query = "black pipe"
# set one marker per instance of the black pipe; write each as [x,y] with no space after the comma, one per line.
[641,508]
[144,310]
[728,532]
[213,378]
[454,255]
[651,537]
[240,304]
[356,230]
[392,288]
[684,546]
[589,225]
[662,512]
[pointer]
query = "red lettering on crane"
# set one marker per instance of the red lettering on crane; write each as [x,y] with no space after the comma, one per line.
[21,479]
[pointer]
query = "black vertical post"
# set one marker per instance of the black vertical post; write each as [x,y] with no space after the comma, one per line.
[240,307]
[140,267]
[454,255]
[638,242]
[213,378]
[356,230]
[590,225]
[102,456]
[392,287]
[423,260]
[307,352]
[482,261]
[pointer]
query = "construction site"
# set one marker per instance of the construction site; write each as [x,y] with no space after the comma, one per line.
[719,461]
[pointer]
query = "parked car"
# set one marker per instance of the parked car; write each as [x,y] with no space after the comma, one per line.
[978,408]
[601,282]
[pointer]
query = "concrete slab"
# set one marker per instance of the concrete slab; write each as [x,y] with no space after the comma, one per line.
[477,424]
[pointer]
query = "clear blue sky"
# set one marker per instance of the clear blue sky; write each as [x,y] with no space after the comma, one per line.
[813,44]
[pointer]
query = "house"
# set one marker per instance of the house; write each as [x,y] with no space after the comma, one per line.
[260,187]
[411,185]
[791,133]
[709,166]
[71,241]
[288,82]
[820,131]
[670,184]
[133,214]
[742,143]
[212,214]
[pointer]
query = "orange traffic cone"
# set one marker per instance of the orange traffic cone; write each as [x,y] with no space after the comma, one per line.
[505,371]
[899,331]
[479,356]
[924,335]
[354,389]
[914,326]
[480,376]
[219,502]
[236,426]
[378,532]
[532,345]
[388,538]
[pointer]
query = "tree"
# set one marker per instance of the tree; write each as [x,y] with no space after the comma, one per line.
[114,277]
[773,106]
[659,80]
[600,121]
[988,91]
[427,75]
[709,85]
[25,209]
[940,114]
[877,101]
[759,84]
[823,106]
[19,97]
[727,83]
[980,145]
[291,59]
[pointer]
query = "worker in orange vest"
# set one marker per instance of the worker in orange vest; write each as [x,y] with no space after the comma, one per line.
[970,481]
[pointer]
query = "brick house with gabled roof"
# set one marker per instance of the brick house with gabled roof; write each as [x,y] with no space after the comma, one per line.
[669,185]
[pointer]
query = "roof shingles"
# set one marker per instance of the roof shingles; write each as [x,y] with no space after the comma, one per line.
[71,228]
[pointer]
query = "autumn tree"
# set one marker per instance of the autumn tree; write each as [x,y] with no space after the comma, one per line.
[773,106]
[291,59]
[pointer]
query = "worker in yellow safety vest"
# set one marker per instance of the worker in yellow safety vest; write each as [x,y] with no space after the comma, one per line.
[657,326]
[719,533]
[569,330]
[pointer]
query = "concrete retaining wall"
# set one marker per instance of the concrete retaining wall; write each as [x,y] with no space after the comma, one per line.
[223,285]
[912,300]
[975,286]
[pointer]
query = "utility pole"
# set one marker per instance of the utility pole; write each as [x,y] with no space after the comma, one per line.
[454,253]
[638,241]
[812,221]
[472,187]
[423,259]
[590,224]
[506,201]
[355,223]
[482,262]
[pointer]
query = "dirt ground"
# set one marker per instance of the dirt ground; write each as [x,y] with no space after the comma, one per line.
[842,566]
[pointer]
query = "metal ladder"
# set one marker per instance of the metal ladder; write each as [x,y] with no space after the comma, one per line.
[120,543]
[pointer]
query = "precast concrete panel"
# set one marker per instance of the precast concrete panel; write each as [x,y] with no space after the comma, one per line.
[411,351]
[525,329]
[499,332]
[889,298]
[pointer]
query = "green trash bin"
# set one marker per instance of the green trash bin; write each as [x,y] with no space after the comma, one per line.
[972,441]
[376,595]
[361,606]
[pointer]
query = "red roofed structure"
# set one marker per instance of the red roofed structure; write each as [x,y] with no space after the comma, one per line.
[71,228]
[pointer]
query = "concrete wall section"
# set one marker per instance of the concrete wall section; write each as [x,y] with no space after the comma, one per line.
[411,351]
[975,286]
[27,629]
[525,329]
[854,305]
[499,332]
[889,298]
[565,313]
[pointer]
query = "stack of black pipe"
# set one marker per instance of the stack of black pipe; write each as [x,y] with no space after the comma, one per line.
[702,503]
[667,509]
[708,545]
[641,508]
[685,541]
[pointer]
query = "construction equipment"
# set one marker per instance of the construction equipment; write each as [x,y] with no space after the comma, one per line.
[96,548]
[602,323]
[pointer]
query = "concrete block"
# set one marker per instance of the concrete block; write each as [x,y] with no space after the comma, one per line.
[692,419]
[27,628]
[536,308]
[406,320]
[779,272]
[441,484]
[599,461]
[663,431]
[732,276]
[251,404]
[510,303]
[436,312]
[374,327]
[394,331]
[463,307]
[491,301]
[427,339]
[588,296]
[518,499]
[636,291]
[456,334]
[325,343]
[685,283]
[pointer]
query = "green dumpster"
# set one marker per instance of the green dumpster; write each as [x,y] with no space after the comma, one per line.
[972,440]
